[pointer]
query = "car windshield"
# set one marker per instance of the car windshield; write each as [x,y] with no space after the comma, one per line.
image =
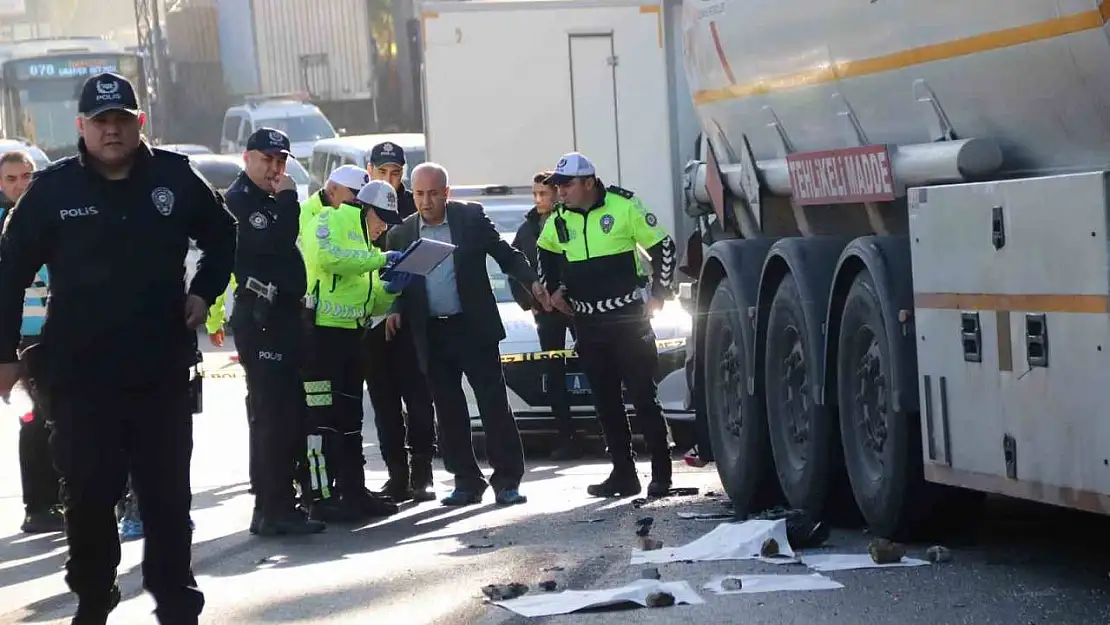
[499,281]
[297,171]
[300,128]
[219,174]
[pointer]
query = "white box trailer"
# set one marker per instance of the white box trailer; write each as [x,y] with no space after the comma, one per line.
[511,85]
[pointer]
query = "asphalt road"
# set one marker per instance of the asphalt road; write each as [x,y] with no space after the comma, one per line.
[1017,563]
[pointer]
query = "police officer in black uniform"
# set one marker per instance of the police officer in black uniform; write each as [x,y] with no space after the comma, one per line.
[407,434]
[269,299]
[112,224]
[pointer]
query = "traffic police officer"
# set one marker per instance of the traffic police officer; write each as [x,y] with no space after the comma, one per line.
[270,276]
[598,230]
[118,208]
[345,286]
[341,187]
[36,466]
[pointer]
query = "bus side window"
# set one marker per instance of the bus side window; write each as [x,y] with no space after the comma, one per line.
[231,128]
[318,167]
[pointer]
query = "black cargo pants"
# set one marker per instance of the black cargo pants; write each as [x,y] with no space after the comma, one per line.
[552,330]
[618,347]
[40,480]
[100,435]
[271,355]
[333,386]
[393,374]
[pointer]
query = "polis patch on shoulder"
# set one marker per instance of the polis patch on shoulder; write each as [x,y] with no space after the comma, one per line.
[259,221]
[607,223]
[322,232]
[651,220]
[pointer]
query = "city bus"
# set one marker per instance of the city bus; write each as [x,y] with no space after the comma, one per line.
[40,83]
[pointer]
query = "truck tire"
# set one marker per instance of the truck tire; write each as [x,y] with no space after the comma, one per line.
[735,419]
[882,448]
[803,433]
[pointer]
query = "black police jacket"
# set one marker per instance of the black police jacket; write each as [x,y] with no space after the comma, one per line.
[115,251]
[406,205]
[267,239]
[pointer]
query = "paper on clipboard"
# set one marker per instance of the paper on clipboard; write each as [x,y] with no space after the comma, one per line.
[422,257]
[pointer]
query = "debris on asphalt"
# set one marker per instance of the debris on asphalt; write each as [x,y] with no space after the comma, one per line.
[596,520]
[650,573]
[770,548]
[802,531]
[732,584]
[504,592]
[480,546]
[683,492]
[728,541]
[750,584]
[712,493]
[552,569]
[660,599]
[826,562]
[650,544]
[635,593]
[638,502]
[548,585]
[938,555]
[883,551]
[643,526]
[705,516]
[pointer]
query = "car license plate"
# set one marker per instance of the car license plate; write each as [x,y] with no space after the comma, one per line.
[577,383]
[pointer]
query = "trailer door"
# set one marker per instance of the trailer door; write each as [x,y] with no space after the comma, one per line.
[593,100]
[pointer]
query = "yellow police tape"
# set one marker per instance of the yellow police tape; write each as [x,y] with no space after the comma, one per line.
[233,371]
[570,353]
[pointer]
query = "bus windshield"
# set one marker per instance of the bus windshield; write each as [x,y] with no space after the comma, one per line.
[40,95]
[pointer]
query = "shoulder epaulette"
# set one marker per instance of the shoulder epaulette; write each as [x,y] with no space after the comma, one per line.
[169,154]
[56,166]
[625,193]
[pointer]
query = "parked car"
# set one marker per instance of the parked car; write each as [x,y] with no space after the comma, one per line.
[526,379]
[329,154]
[186,148]
[37,155]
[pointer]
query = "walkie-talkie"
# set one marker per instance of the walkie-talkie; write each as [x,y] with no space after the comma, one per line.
[561,225]
[196,382]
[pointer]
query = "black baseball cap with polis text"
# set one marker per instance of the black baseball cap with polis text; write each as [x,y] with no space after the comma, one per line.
[269,141]
[387,153]
[107,92]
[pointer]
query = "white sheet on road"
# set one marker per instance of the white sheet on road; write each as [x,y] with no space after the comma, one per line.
[772,583]
[729,541]
[850,561]
[568,601]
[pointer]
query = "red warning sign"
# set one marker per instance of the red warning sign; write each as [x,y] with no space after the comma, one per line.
[844,176]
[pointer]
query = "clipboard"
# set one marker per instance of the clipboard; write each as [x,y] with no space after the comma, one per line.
[421,258]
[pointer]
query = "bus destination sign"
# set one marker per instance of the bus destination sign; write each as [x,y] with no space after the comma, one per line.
[47,69]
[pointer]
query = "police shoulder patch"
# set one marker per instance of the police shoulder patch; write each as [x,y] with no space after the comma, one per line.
[322,232]
[651,220]
[625,193]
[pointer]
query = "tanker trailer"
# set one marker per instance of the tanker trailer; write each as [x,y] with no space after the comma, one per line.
[904,287]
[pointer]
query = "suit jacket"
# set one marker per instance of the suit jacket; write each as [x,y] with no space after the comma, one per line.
[475,237]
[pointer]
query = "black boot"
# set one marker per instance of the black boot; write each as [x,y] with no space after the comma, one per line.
[96,613]
[44,521]
[365,505]
[422,484]
[622,482]
[397,486]
[288,523]
[660,485]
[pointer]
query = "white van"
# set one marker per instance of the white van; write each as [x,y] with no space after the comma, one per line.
[303,122]
[355,150]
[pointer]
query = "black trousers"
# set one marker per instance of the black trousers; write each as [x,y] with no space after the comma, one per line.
[271,357]
[333,383]
[393,374]
[552,329]
[39,478]
[100,435]
[620,347]
[451,353]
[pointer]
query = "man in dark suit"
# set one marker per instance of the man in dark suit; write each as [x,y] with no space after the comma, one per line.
[456,328]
